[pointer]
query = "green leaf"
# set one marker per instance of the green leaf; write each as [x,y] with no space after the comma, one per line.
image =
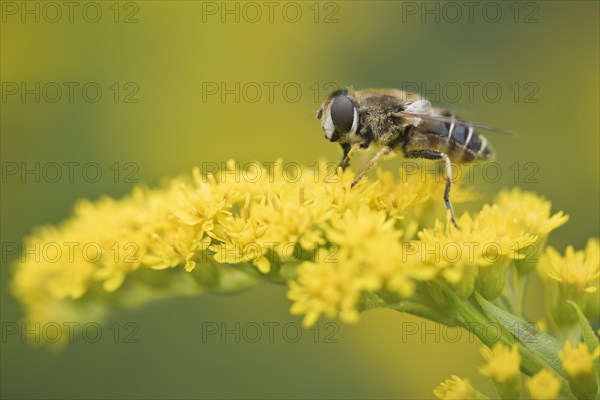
[538,349]
[541,345]
[589,336]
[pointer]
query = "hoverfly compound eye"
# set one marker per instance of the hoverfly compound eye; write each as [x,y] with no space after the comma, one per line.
[343,114]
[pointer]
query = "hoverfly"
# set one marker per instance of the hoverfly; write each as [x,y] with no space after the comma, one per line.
[392,120]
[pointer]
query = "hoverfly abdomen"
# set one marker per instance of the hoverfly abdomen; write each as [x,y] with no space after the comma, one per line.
[488,153]
[435,127]
[459,140]
[479,146]
[459,134]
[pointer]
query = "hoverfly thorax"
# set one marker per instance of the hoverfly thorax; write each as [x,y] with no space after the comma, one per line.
[339,114]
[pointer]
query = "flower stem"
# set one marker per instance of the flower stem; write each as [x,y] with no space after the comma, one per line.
[520,282]
[372,301]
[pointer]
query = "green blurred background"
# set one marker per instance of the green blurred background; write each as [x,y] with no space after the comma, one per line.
[163,55]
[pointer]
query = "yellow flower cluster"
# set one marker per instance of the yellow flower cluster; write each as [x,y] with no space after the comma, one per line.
[579,270]
[265,221]
[578,364]
[456,388]
[365,254]
[574,276]
[530,211]
[340,242]
[503,366]
[503,363]
[578,360]
[543,386]
[381,257]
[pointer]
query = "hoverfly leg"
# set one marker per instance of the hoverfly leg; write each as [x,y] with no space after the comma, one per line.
[347,155]
[447,188]
[436,155]
[345,158]
[383,152]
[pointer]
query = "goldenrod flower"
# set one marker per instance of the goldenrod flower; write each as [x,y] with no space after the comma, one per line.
[241,240]
[577,270]
[503,366]
[502,362]
[293,218]
[543,386]
[457,388]
[330,286]
[457,253]
[408,196]
[578,364]
[531,212]
[510,237]
[578,361]
[366,254]
[483,247]
[574,276]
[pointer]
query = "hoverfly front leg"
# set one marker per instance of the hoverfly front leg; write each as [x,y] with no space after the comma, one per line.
[347,154]
[345,158]
[383,152]
[436,155]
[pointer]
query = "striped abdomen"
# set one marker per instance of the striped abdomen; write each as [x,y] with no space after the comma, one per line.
[461,142]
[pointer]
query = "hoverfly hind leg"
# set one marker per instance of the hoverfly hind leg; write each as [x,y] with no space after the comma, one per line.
[436,155]
[447,189]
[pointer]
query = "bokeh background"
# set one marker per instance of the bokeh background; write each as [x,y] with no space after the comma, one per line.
[155,61]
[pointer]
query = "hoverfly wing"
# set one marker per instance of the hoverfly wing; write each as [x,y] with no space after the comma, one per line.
[457,121]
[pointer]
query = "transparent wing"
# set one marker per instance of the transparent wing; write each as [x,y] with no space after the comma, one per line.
[450,119]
